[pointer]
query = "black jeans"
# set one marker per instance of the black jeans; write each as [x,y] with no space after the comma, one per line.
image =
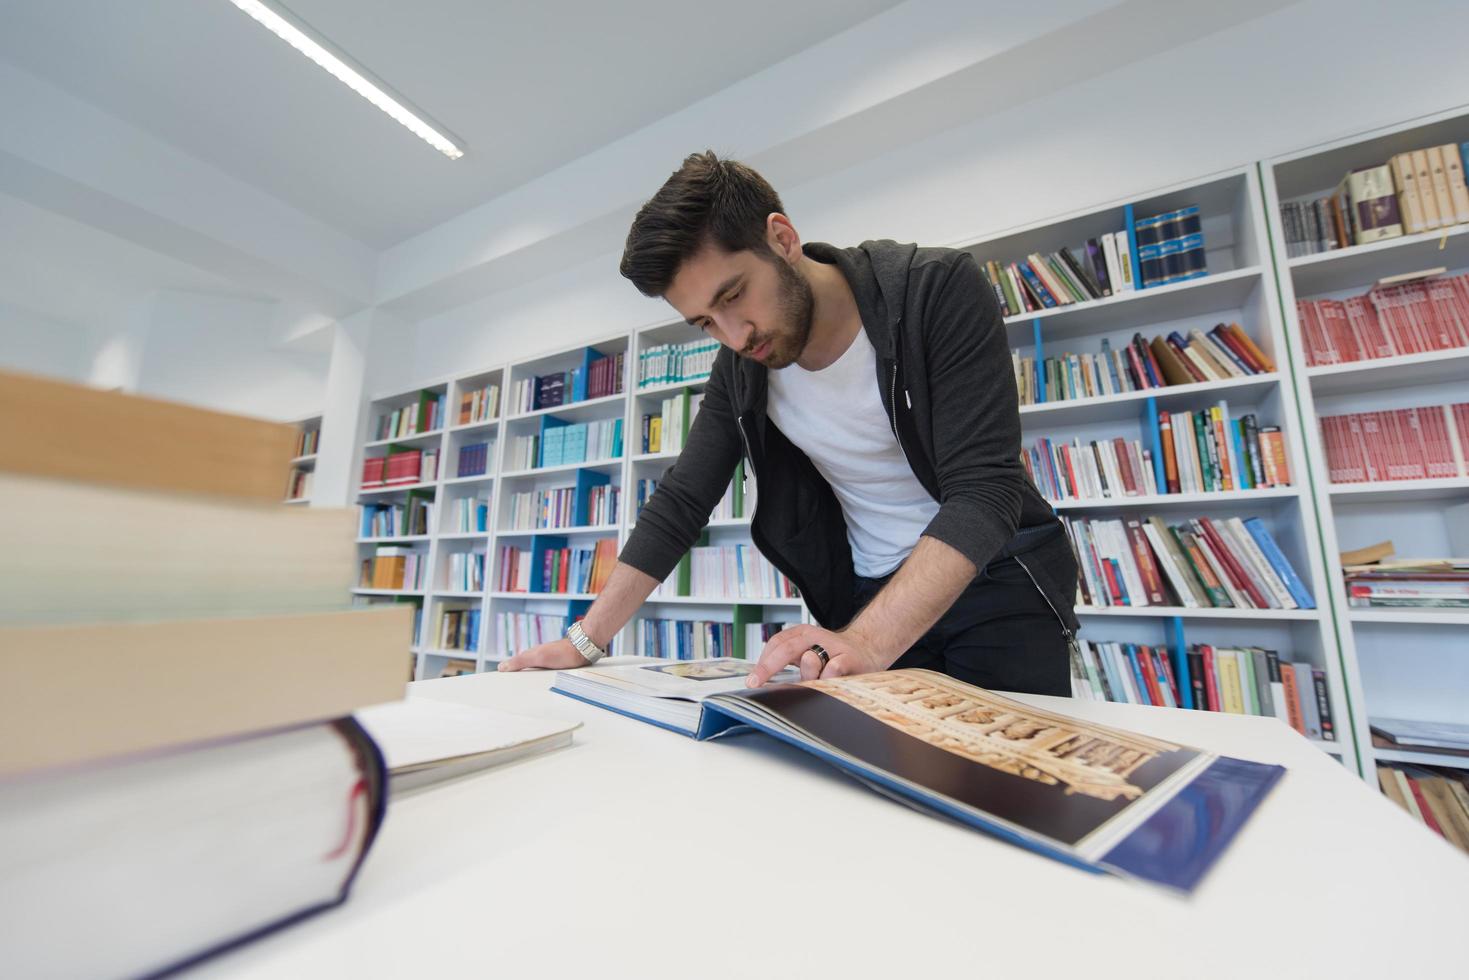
[1000,634]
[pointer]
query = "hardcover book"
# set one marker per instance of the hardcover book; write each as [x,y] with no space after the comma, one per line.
[1095,797]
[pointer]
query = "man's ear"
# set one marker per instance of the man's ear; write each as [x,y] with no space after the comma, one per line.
[782,237]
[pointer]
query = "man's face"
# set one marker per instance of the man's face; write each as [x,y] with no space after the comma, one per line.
[756,305]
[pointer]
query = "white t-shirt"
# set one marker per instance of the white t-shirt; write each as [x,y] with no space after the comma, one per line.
[835,416]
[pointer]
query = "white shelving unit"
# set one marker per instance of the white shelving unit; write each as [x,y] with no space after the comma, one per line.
[1240,288]
[309,427]
[1402,663]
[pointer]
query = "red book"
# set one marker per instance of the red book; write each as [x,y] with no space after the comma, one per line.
[1147,569]
[1146,352]
[1423,806]
[564,562]
[1150,678]
[372,471]
[1130,480]
[1292,697]
[1137,369]
[1211,679]
[1168,677]
[1242,580]
[1221,334]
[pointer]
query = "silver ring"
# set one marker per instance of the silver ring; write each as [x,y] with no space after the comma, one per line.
[820,651]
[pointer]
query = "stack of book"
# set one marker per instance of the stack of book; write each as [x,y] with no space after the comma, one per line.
[1198,564]
[459,630]
[1399,444]
[1408,583]
[1436,798]
[673,363]
[554,508]
[515,632]
[566,444]
[466,572]
[738,502]
[474,460]
[425,415]
[479,405]
[175,709]
[737,571]
[393,569]
[682,639]
[402,468]
[471,515]
[602,504]
[578,570]
[1201,452]
[1421,190]
[599,377]
[1240,680]
[1224,352]
[307,441]
[1402,318]
[412,517]
[299,487]
[666,431]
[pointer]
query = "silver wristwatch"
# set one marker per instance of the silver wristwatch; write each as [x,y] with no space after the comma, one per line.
[584,644]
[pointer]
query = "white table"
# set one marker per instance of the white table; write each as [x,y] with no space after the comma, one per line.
[639,853]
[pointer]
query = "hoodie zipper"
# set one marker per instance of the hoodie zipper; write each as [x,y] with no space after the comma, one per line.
[754,477]
[1071,644]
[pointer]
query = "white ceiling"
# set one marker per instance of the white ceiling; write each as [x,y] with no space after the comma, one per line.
[527,87]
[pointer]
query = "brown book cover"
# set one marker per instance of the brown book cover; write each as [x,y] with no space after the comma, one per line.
[74,432]
[1427,202]
[1146,567]
[73,694]
[1405,179]
[1173,370]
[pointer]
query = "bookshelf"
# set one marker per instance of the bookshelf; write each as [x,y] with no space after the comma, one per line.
[1404,663]
[303,464]
[1239,287]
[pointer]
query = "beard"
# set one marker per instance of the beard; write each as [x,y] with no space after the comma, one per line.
[795,310]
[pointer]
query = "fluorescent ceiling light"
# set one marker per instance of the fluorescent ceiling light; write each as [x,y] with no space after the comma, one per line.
[357,79]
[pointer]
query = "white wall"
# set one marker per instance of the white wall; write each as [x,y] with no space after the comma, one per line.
[1271,85]
[37,344]
[218,352]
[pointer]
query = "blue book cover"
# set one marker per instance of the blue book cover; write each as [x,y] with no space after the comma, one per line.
[1036,286]
[1277,560]
[1098,798]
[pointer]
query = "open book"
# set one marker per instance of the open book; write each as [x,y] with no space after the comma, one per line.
[1092,796]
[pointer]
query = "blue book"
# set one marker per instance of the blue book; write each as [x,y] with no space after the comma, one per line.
[1139,807]
[1036,286]
[1129,650]
[1277,560]
[1111,365]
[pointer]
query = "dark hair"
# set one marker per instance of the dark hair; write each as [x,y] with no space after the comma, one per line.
[706,200]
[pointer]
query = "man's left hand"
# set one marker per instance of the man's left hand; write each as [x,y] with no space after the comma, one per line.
[846,654]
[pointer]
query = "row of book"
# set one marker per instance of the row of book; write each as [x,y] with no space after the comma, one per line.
[466,572]
[684,639]
[1238,680]
[1425,583]
[1396,444]
[299,485]
[474,459]
[561,445]
[471,515]
[1202,452]
[579,570]
[737,504]
[737,571]
[424,415]
[1170,248]
[405,467]
[556,508]
[1226,351]
[458,630]
[307,441]
[599,377]
[672,363]
[1436,798]
[517,631]
[412,517]
[1203,563]
[1386,321]
[394,568]
[1413,192]
[479,405]
[666,431]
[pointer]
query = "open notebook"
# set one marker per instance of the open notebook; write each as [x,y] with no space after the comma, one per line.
[1093,796]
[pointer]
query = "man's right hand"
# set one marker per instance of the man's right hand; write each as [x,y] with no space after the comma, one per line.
[556,655]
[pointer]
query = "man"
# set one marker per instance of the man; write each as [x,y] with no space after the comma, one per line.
[870,390]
